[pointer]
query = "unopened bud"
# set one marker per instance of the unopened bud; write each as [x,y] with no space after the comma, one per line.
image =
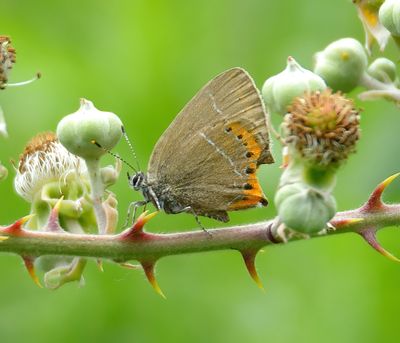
[280,90]
[80,130]
[342,64]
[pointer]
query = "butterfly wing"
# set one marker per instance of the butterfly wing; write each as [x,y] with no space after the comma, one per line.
[208,156]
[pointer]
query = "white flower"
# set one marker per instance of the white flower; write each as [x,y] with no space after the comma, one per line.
[44,160]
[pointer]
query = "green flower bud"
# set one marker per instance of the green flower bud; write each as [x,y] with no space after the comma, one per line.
[304,209]
[389,16]
[3,172]
[279,90]
[342,64]
[384,70]
[78,131]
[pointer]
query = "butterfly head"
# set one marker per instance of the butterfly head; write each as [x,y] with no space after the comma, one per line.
[137,181]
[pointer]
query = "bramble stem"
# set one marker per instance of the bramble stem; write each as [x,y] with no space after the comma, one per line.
[148,246]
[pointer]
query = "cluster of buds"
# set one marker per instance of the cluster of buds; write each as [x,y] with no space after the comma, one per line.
[319,131]
[60,186]
[343,65]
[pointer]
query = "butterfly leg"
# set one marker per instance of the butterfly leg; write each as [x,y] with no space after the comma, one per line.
[189,209]
[133,206]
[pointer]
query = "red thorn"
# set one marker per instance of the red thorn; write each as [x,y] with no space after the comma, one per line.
[148,268]
[16,229]
[28,261]
[53,224]
[375,202]
[137,227]
[370,237]
[249,258]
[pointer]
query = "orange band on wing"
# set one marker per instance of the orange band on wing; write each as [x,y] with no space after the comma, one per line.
[252,193]
[248,139]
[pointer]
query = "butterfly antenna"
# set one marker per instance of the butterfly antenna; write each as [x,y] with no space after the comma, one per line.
[114,155]
[130,146]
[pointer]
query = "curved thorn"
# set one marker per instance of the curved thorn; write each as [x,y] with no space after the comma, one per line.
[249,258]
[375,200]
[142,220]
[25,219]
[137,227]
[16,227]
[370,237]
[148,268]
[3,238]
[31,270]
[53,222]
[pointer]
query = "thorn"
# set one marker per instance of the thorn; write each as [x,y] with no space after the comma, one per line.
[31,270]
[130,266]
[375,200]
[53,224]
[3,238]
[142,220]
[148,268]
[370,237]
[137,227]
[100,264]
[249,258]
[16,228]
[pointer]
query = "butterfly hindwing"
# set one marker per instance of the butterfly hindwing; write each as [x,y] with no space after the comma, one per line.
[208,156]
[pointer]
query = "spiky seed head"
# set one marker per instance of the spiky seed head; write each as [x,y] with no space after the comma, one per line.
[323,127]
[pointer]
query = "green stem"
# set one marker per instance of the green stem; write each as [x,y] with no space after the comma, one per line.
[97,191]
[148,246]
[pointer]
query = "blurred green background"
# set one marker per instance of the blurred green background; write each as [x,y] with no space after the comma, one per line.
[144,60]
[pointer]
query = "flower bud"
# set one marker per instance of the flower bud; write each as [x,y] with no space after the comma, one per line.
[342,64]
[78,131]
[7,59]
[384,70]
[322,128]
[279,90]
[3,172]
[305,209]
[389,16]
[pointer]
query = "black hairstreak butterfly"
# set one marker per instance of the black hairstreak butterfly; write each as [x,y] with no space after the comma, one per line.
[205,161]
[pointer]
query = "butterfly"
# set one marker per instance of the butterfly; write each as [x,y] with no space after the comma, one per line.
[205,162]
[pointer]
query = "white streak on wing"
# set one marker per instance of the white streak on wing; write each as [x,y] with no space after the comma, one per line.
[214,104]
[221,152]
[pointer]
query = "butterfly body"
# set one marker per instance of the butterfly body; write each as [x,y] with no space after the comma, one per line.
[206,160]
